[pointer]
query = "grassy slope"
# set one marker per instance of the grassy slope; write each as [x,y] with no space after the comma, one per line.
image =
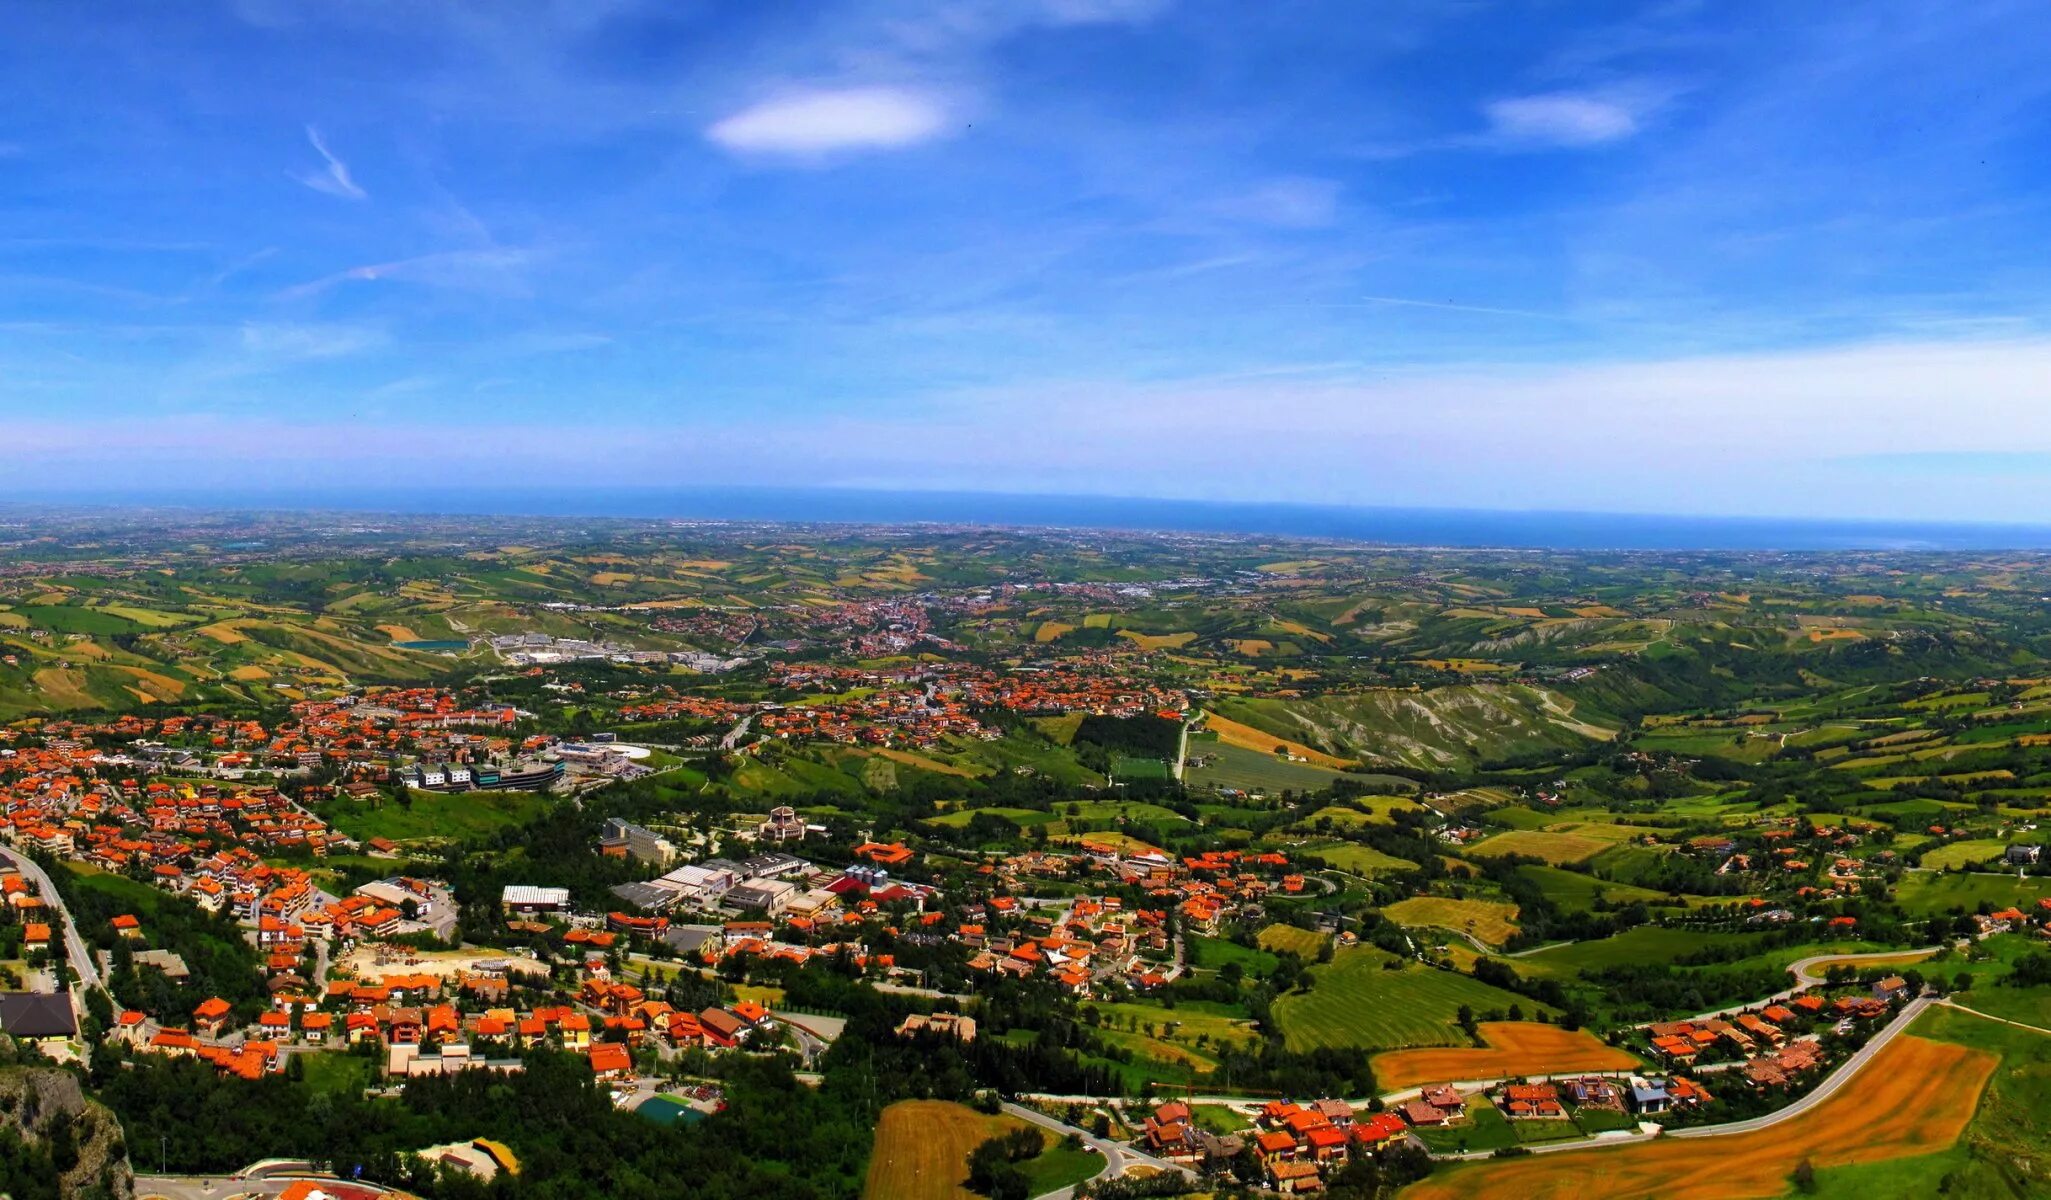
[1444,728]
[1359,1002]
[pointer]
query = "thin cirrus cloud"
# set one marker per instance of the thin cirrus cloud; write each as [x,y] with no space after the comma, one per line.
[1561,119]
[335,180]
[817,122]
[1291,202]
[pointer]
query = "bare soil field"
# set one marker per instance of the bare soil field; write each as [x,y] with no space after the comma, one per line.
[1514,1048]
[1915,1097]
[922,1149]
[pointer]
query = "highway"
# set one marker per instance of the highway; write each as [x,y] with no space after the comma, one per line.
[264,1179]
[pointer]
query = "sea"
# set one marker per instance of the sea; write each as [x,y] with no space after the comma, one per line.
[1395,526]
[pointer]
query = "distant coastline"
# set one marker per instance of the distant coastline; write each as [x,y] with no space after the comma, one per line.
[1463,528]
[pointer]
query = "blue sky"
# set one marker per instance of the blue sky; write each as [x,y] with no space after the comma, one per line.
[1734,258]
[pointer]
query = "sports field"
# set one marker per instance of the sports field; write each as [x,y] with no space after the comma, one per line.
[1493,921]
[1915,1097]
[1360,1002]
[1514,1048]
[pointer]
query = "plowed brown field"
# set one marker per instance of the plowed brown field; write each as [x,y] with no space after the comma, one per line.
[1514,1048]
[1915,1097]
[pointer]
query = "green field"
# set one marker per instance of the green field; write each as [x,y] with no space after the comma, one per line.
[1553,848]
[1963,854]
[1361,860]
[1250,770]
[1927,893]
[1058,1167]
[1485,1129]
[1209,953]
[1645,944]
[1125,767]
[1303,943]
[1024,818]
[1176,1043]
[1361,1002]
[1575,891]
[2005,1146]
[338,1074]
[2026,1005]
[433,816]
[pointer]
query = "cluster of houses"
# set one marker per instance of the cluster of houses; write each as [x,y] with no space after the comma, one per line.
[1555,1099]
[1771,1046]
[2036,919]
[1094,938]
[430,1024]
[918,704]
[1299,1145]
[1822,861]
[358,734]
[1295,1144]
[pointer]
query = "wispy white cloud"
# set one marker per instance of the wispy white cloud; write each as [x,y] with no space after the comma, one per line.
[497,270]
[807,124]
[1562,119]
[1292,202]
[299,342]
[1450,306]
[335,180]
[1101,12]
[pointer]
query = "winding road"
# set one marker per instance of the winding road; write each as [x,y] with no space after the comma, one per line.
[1117,1158]
[1807,975]
[75,947]
[1829,1086]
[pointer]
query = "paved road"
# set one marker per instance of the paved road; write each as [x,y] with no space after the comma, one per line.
[81,958]
[1805,971]
[218,1187]
[1830,1084]
[1822,1091]
[1117,1158]
[1807,975]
